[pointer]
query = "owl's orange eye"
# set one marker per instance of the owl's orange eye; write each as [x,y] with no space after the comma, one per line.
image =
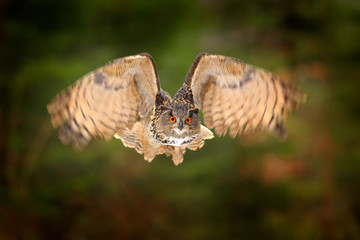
[172,119]
[188,120]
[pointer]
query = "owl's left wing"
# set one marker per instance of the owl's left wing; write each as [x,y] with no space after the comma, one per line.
[106,101]
[240,97]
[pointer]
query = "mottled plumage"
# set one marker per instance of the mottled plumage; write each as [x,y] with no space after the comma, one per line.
[125,98]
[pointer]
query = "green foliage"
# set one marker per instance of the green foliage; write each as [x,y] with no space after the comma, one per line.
[256,187]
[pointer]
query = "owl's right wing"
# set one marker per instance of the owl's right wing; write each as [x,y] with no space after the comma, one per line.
[240,97]
[106,101]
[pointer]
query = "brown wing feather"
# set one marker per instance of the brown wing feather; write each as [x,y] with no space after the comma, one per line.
[106,101]
[237,96]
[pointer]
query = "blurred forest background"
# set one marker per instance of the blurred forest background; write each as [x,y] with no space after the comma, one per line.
[253,187]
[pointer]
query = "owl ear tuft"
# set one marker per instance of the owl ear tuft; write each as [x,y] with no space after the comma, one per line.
[194,111]
[161,99]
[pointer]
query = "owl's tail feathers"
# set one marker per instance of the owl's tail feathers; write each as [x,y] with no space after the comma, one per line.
[176,152]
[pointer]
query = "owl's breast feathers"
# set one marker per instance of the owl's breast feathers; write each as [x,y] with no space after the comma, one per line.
[142,139]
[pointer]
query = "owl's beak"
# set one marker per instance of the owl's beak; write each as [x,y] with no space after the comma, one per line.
[181,125]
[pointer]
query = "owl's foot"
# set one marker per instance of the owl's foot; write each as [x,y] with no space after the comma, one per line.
[176,153]
[149,158]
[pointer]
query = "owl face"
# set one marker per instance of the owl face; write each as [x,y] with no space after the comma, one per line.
[176,125]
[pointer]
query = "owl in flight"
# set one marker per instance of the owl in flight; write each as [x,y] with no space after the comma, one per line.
[124,99]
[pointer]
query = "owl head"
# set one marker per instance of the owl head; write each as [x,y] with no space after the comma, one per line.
[176,121]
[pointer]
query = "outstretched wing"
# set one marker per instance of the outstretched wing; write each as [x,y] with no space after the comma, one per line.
[106,101]
[240,97]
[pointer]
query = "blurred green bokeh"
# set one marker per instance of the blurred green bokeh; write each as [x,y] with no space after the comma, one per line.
[253,187]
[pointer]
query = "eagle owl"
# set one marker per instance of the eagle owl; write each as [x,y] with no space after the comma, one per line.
[124,99]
